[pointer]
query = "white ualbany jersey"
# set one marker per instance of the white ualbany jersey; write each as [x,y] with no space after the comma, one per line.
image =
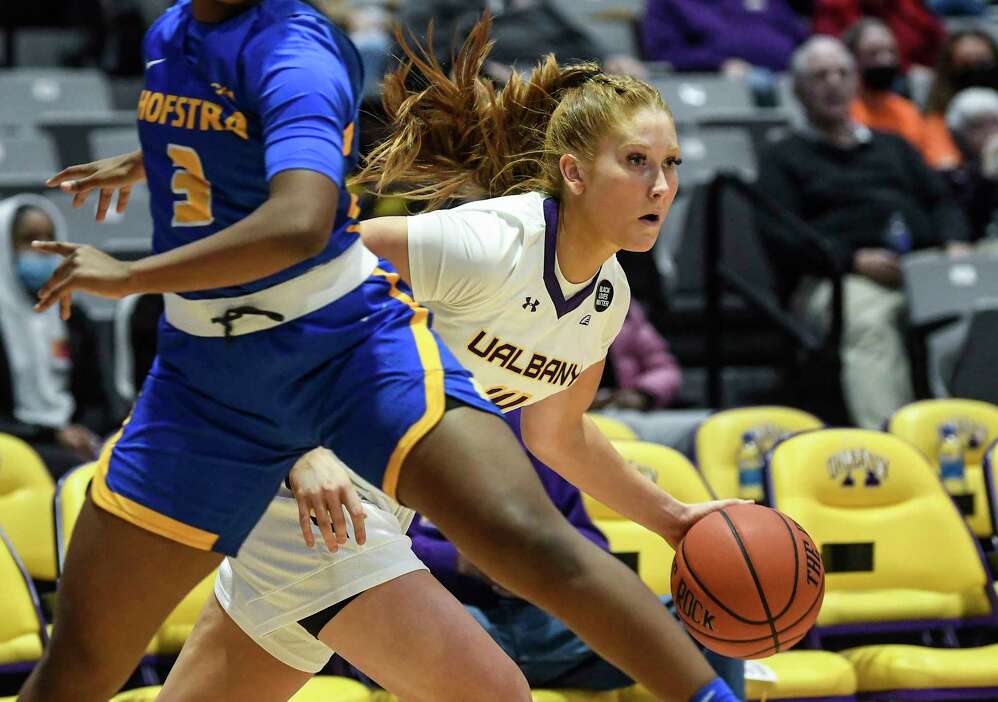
[489,273]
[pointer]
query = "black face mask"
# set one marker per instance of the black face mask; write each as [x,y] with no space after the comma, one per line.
[981,75]
[880,77]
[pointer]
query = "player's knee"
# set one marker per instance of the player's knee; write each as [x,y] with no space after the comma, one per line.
[554,555]
[74,653]
[69,669]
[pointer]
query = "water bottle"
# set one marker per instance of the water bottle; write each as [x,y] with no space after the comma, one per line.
[750,464]
[897,237]
[951,463]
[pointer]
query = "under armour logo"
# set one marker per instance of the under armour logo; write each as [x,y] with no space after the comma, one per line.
[531,304]
[585,320]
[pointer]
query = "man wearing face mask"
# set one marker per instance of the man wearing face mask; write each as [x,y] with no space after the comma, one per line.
[51,390]
[877,106]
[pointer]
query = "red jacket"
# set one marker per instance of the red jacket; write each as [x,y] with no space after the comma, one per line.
[919,33]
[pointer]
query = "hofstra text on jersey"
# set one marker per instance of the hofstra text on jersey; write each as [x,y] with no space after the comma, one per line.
[189,113]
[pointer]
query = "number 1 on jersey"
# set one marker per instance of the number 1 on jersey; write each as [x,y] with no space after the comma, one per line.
[188,180]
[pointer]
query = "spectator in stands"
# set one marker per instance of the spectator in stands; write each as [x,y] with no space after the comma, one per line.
[972,117]
[523,31]
[871,198]
[919,33]
[877,106]
[732,36]
[548,653]
[51,389]
[968,59]
[640,380]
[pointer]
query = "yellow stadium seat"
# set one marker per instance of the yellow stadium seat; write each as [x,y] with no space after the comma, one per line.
[70,496]
[871,500]
[20,466]
[22,630]
[26,490]
[899,667]
[977,424]
[612,428]
[26,516]
[895,548]
[800,675]
[643,550]
[327,688]
[139,694]
[719,439]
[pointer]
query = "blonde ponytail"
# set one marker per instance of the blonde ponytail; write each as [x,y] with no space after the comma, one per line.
[459,137]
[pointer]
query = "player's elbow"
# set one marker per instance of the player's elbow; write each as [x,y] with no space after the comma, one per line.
[308,232]
[542,442]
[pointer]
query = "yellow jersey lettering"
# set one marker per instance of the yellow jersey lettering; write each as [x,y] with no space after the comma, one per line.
[179,110]
[348,139]
[353,212]
[143,101]
[210,116]
[189,180]
[194,102]
[154,107]
[171,100]
[236,122]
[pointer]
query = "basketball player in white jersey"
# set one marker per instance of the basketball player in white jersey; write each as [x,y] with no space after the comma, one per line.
[527,293]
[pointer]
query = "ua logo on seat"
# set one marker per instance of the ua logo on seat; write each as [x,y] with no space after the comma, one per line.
[531,304]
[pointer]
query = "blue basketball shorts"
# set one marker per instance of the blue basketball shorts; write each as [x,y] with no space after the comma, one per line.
[220,421]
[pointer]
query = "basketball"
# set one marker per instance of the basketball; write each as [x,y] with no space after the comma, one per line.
[747,581]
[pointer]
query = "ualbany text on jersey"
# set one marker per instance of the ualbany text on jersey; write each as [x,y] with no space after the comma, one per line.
[538,366]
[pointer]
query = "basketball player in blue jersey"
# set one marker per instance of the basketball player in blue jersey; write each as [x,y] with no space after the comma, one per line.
[267,380]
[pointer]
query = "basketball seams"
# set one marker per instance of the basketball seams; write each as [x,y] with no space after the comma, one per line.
[708,593]
[755,576]
[793,542]
[784,644]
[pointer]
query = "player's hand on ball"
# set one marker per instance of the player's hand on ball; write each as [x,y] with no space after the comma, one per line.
[322,487]
[83,269]
[107,174]
[692,513]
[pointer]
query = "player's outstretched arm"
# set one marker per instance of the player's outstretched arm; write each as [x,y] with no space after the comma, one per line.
[557,431]
[293,224]
[115,173]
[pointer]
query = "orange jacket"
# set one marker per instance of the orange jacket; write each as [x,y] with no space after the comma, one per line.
[892,113]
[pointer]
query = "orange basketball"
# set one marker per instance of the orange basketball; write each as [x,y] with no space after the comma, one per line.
[747,581]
